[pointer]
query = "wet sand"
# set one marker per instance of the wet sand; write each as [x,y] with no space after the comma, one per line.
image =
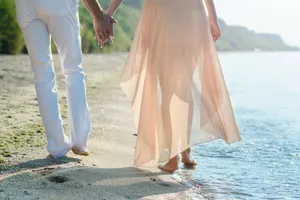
[26,173]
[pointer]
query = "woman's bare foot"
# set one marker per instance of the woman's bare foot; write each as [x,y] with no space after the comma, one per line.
[187,160]
[170,166]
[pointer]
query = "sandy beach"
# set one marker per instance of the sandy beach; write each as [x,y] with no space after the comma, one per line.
[27,173]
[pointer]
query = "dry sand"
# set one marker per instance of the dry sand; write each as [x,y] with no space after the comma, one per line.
[107,173]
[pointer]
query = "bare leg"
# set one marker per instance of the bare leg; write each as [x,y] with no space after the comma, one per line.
[172,164]
[167,93]
[183,88]
[187,160]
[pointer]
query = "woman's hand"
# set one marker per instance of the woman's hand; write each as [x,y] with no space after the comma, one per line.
[213,19]
[215,30]
[113,7]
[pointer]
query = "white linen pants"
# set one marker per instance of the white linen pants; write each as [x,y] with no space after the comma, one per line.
[39,20]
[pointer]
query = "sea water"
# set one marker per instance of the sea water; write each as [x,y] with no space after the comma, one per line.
[265,93]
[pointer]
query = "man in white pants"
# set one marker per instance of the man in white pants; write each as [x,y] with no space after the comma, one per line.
[40,20]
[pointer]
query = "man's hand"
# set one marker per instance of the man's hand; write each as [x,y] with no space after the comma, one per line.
[104,28]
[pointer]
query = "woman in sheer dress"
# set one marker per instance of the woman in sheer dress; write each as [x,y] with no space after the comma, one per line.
[175,82]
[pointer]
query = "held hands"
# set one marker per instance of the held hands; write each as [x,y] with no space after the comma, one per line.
[104,29]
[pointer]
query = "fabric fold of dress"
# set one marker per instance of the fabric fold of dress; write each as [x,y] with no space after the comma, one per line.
[175,82]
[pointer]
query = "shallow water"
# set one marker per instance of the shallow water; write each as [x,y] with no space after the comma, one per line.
[265,93]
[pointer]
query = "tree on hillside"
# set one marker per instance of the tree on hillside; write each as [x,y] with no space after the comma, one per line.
[11,38]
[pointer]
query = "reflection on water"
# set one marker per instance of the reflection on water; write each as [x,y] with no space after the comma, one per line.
[265,93]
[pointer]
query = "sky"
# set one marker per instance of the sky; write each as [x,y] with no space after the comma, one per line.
[264,16]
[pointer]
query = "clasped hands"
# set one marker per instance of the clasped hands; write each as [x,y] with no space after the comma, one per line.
[104,28]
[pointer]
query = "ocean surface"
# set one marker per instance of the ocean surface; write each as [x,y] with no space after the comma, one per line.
[265,93]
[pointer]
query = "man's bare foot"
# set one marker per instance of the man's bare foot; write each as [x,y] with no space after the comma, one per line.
[187,160]
[77,151]
[50,156]
[54,157]
[170,166]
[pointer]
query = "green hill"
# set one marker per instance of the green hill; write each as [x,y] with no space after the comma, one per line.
[234,38]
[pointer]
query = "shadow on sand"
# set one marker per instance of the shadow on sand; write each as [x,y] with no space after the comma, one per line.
[37,163]
[80,182]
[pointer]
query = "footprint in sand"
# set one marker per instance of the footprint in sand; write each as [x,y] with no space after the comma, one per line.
[58,179]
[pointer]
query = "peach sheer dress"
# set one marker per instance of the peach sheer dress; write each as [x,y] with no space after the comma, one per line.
[175,82]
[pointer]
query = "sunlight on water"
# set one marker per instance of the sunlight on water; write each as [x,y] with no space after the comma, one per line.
[265,93]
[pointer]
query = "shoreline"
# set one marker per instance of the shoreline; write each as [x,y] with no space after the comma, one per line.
[108,172]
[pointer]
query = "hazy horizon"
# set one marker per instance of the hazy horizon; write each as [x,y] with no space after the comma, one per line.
[268,16]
